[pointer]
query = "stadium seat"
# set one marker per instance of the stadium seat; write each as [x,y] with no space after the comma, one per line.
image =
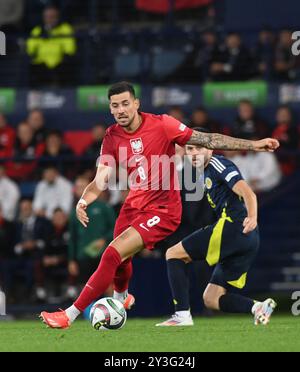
[127,64]
[165,62]
[78,140]
[11,71]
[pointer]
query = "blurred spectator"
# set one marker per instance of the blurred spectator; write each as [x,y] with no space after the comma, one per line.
[54,191]
[57,153]
[7,240]
[9,196]
[7,138]
[247,125]
[264,52]
[286,65]
[195,67]
[52,47]
[207,52]
[287,133]
[200,118]
[93,150]
[32,235]
[285,130]
[177,113]
[26,151]
[11,12]
[233,61]
[87,244]
[56,252]
[36,121]
[7,236]
[260,169]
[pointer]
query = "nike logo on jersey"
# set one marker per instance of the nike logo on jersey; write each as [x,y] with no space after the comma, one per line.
[144,227]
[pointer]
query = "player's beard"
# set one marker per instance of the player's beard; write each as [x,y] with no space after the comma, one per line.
[128,124]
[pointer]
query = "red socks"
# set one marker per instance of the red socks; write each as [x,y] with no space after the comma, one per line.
[101,278]
[123,275]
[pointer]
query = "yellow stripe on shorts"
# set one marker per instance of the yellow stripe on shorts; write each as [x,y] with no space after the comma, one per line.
[240,283]
[215,242]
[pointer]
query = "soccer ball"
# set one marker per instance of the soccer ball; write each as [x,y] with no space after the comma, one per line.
[108,313]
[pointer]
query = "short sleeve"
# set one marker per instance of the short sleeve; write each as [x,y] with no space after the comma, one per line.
[226,170]
[107,155]
[176,131]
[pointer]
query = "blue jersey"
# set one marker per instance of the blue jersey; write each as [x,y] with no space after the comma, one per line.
[220,176]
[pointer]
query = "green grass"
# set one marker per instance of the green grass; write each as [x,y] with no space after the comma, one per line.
[208,334]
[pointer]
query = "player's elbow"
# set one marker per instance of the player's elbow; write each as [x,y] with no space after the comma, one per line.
[245,191]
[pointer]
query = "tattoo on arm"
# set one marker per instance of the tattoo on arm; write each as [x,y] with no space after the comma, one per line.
[215,141]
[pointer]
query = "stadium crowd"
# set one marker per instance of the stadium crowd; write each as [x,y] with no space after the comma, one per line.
[53,46]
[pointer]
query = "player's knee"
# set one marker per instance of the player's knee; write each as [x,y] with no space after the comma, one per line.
[177,252]
[210,302]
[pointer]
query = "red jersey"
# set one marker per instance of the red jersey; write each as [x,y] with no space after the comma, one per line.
[148,157]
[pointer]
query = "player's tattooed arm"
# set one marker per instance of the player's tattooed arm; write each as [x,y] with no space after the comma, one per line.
[215,141]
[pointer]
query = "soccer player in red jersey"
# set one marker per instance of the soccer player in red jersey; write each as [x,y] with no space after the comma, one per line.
[142,144]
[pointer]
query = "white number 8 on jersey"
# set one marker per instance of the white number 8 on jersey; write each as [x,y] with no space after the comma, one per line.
[151,222]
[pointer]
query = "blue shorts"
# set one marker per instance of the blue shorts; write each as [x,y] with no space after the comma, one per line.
[225,246]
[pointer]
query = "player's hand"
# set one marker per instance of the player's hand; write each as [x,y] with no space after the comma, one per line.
[266,144]
[81,214]
[249,224]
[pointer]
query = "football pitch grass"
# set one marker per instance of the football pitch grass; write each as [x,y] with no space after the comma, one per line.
[138,335]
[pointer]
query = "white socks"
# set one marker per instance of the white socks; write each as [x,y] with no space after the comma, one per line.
[72,313]
[120,296]
[184,314]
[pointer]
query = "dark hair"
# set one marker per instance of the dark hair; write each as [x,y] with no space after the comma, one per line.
[246,101]
[200,108]
[233,33]
[51,166]
[58,209]
[201,129]
[54,132]
[285,107]
[51,6]
[26,199]
[121,87]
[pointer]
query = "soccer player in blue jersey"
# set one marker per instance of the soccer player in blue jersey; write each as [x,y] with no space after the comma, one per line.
[230,244]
